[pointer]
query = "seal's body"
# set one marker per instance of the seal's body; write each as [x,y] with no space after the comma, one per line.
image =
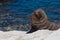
[39,21]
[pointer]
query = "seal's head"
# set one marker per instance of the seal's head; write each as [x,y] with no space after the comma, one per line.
[38,18]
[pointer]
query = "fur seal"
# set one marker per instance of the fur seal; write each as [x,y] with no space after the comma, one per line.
[39,21]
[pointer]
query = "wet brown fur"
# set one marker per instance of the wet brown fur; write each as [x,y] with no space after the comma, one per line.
[39,21]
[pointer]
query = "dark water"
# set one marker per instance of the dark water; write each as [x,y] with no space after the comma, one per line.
[19,12]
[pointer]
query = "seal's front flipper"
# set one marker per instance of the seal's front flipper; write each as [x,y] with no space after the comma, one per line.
[33,29]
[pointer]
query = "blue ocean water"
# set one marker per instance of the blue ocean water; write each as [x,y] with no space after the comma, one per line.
[20,11]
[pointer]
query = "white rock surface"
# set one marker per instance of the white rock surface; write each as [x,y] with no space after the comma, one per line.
[38,35]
